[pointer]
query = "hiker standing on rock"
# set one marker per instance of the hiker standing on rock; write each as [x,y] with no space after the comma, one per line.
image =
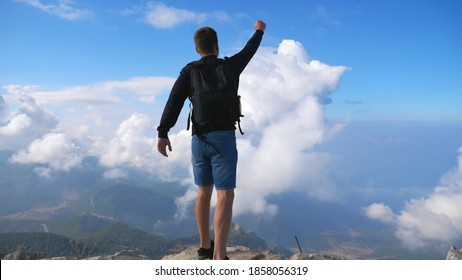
[211,84]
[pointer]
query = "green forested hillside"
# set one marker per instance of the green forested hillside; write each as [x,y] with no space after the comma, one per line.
[113,238]
[118,236]
[47,243]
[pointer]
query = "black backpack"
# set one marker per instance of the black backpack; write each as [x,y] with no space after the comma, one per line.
[214,96]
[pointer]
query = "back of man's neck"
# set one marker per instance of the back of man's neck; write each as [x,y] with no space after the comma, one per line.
[208,54]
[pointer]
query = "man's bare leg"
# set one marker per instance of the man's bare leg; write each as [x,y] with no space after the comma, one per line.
[202,210]
[222,222]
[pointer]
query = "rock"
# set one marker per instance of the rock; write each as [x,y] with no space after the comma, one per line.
[188,254]
[122,255]
[60,259]
[25,255]
[300,256]
[234,253]
[244,253]
[454,254]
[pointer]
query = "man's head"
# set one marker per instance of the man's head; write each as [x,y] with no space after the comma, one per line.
[206,41]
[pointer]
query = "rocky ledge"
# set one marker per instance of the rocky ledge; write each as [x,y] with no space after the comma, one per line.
[244,253]
[190,253]
[454,254]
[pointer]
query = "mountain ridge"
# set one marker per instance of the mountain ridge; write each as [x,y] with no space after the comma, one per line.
[109,239]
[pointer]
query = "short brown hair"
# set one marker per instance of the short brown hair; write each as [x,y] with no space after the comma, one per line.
[205,40]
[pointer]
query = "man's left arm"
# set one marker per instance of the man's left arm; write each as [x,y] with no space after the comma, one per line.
[242,58]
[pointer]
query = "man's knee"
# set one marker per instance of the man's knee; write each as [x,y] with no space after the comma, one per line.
[226,196]
[205,192]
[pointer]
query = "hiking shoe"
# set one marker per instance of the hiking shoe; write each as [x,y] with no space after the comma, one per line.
[205,254]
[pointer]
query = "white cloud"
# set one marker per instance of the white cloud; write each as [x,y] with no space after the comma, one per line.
[144,88]
[437,217]
[284,120]
[380,211]
[43,172]
[16,125]
[162,16]
[54,150]
[89,113]
[20,89]
[4,110]
[62,8]
[130,145]
[31,120]
[134,145]
[115,173]
[183,203]
[281,92]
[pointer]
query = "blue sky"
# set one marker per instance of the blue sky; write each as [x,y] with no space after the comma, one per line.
[404,55]
[371,89]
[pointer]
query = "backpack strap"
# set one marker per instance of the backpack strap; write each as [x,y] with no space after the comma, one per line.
[189,115]
[239,126]
[190,119]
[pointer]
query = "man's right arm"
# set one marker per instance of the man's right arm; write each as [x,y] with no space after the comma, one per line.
[178,95]
[180,91]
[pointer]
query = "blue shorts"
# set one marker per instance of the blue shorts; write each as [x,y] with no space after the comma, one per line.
[214,159]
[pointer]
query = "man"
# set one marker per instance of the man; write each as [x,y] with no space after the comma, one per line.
[214,153]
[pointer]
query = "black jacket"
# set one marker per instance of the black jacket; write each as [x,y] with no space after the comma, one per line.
[182,87]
